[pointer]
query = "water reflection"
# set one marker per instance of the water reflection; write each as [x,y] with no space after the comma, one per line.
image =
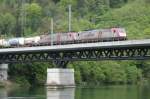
[114,92]
[67,93]
[103,92]
[3,93]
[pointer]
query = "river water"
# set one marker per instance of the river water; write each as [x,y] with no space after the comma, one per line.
[103,92]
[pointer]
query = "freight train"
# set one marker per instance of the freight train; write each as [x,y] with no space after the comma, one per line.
[89,36]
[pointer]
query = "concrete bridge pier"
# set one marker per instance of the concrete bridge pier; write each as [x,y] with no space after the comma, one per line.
[60,78]
[3,72]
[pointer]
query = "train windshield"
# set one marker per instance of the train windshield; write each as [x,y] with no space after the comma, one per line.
[122,32]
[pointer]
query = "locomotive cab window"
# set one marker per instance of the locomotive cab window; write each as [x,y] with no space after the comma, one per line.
[114,31]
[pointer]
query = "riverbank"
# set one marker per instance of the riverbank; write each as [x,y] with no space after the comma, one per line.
[10,84]
[15,84]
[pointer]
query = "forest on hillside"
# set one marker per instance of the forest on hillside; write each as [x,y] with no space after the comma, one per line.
[33,17]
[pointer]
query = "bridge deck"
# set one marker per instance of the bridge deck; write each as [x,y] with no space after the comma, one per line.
[114,44]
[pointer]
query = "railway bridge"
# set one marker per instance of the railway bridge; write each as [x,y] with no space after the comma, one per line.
[60,55]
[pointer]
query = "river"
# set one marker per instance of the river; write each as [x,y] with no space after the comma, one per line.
[103,92]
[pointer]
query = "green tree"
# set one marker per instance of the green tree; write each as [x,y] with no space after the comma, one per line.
[133,74]
[117,3]
[95,7]
[34,13]
[145,66]
[32,74]
[7,23]
[147,1]
[114,72]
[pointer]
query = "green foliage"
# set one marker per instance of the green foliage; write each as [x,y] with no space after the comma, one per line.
[132,74]
[145,66]
[34,12]
[147,1]
[106,72]
[21,80]
[114,73]
[30,73]
[117,3]
[7,24]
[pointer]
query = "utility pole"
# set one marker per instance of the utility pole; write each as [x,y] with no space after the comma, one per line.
[23,17]
[52,31]
[69,18]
